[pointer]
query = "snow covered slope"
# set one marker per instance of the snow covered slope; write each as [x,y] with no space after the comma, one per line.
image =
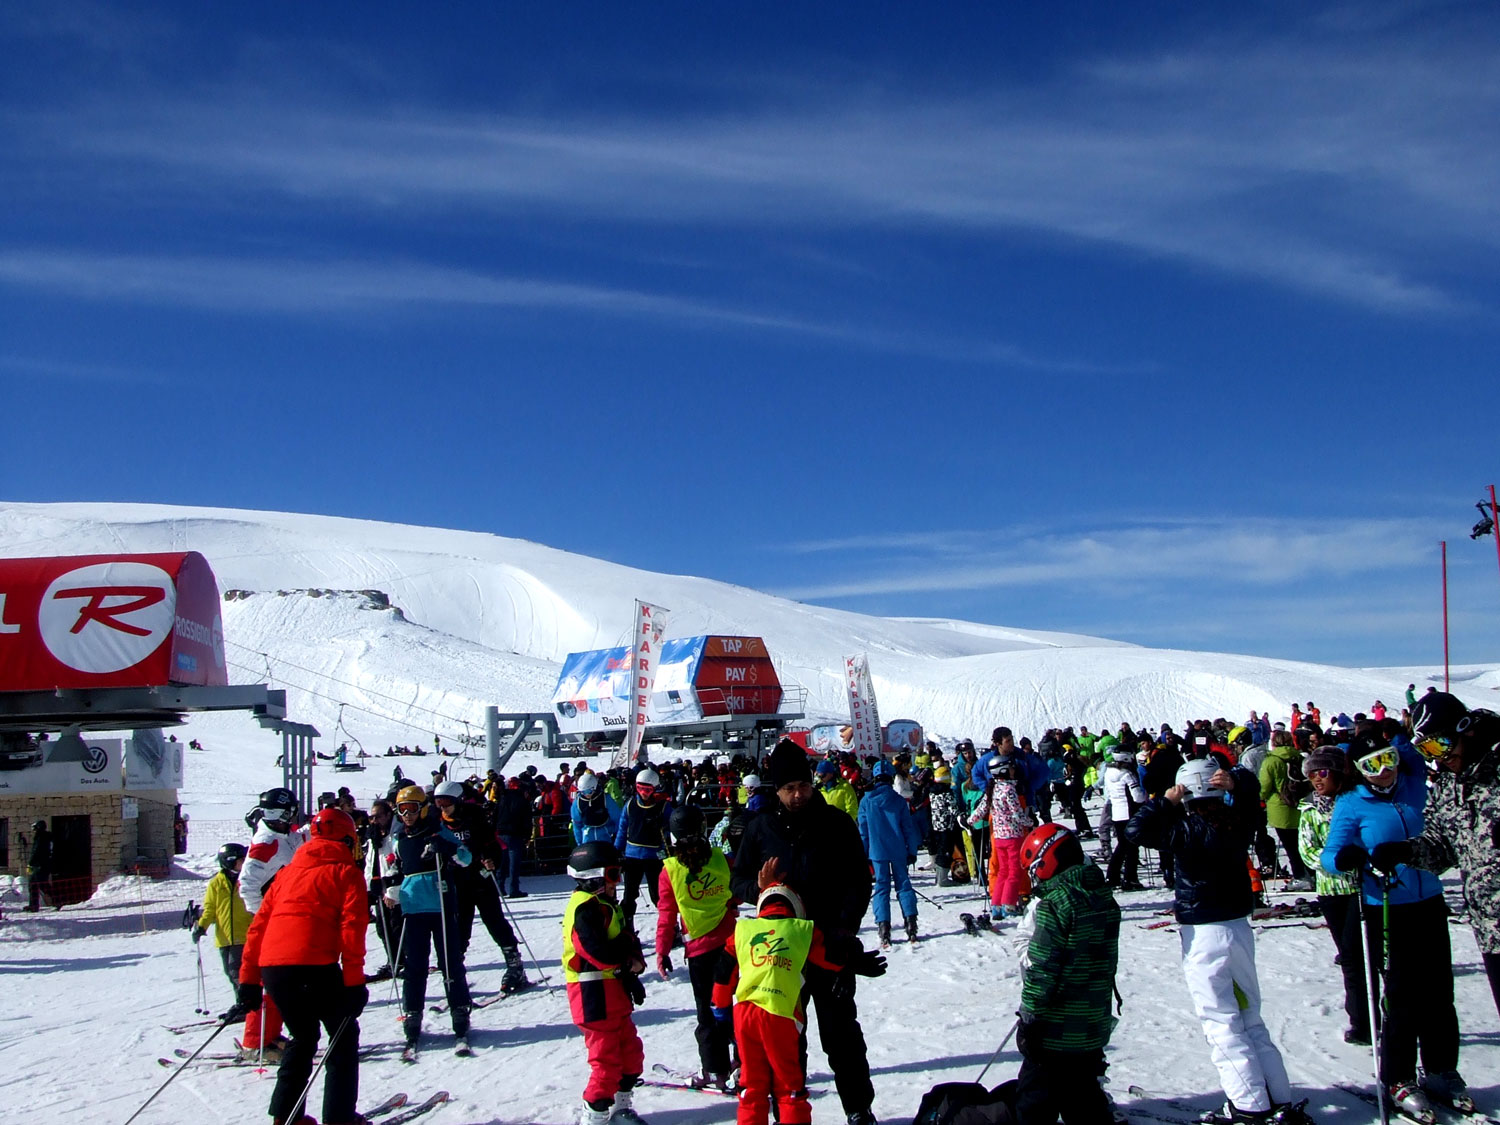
[476,619]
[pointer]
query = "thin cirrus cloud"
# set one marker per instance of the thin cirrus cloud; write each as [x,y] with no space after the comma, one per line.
[1257,553]
[1335,170]
[293,286]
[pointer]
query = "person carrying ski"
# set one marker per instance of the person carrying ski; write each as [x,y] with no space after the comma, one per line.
[424,885]
[694,886]
[477,884]
[891,842]
[1406,923]
[1068,971]
[761,975]
[225,910]
[595,815]
[602,962]
[306,947]
[1208,820]
[641,839]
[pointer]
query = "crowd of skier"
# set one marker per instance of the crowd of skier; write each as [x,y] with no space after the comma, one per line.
[762,873]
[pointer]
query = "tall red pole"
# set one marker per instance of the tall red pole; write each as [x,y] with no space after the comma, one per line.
[1445,615]
[1495,518]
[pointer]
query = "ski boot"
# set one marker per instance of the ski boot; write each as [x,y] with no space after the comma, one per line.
[1449,1089]
[588,1115]
[883,930]
[911,928]
[1292,1113]
[515,972]
[941,876]
[623,1111]
[1407,1099]
[411,1027]
[270,1054]
[998,914]
[971,927]
[861,1117]
[706,1081]
[1230,1115]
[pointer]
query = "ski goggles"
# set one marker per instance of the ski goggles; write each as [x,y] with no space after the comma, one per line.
[408,806]
[1435,748]
[1377,762]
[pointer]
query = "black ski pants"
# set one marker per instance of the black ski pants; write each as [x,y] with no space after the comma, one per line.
[309,996]
[230,955]
[636,869]
[1294,864]
[1341,912]
[1061,1083]
[422,936]
[831,996]
[1492,970]
[1418,1013]
[941,847]
[1126,855]
[714,1036]
[477,891]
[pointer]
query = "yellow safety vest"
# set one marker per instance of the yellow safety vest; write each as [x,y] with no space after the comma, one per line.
[772,953]
[701,898]
[570,954]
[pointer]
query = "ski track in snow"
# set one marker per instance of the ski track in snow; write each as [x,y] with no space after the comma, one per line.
[486,621]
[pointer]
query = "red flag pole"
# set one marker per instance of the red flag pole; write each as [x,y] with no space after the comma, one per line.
[1445,615]
[1495,518]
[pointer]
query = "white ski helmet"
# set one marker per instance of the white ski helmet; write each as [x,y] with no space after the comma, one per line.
[751,782]
[1195,775]
[454,790]
[587,784]
[782,891]
[648,776]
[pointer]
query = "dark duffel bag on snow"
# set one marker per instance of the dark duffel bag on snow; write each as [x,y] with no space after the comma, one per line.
[968,1103]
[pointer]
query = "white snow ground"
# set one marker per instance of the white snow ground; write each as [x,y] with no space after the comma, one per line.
[91,989]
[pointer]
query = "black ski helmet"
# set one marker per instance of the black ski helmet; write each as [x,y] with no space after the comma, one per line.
[1436,716]
[279,798]
[588,861]
[39,826]
[686,821]
[229,855]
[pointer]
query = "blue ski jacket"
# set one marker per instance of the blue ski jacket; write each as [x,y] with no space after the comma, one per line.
[1364,817]
[886,827]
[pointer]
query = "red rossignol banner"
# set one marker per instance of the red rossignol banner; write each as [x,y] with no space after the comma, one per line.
[91,621]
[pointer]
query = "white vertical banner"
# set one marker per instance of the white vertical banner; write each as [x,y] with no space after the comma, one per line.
[863,716]
[650,624]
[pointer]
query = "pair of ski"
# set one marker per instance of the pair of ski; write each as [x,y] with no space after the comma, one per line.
[218,1060]
[483,1002]
[1368,1097]
[973,926]
[1299,909]
[681,1080]
[1194,1115]
[397,1101]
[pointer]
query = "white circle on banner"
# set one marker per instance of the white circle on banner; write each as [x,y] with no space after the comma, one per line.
[108,616]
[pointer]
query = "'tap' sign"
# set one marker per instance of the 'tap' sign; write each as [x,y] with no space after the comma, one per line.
[110,621]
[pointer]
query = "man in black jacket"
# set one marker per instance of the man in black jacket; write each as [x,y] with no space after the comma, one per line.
[39,866]
[814,848]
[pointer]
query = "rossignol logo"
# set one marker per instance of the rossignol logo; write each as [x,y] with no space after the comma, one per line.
[107,617]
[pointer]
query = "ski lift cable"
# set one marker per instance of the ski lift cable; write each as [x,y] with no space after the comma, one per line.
[347,683]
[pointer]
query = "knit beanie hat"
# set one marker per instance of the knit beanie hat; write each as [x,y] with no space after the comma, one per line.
[788,763]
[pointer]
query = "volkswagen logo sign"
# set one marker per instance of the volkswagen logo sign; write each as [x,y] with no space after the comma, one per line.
[95,759]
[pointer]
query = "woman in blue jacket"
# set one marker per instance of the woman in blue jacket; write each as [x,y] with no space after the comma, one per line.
[891,842]
[1370,825]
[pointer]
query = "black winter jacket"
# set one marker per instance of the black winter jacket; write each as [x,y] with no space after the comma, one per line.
[1213,881]
[822,859]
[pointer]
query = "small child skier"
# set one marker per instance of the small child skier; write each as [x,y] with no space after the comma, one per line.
[224,909]
[602,961]
[762,970]
[1004,807]
[1073,946]
[694,886]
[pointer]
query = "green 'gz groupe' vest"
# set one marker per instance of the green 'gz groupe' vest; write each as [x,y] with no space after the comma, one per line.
[772,953]
[701,898]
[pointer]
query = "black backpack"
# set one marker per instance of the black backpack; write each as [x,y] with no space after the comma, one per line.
[968,1103]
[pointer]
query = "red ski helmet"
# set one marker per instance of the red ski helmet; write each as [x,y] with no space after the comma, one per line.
[1048,850]
[333,824]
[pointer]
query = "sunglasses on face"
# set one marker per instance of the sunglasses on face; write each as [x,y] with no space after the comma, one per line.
[1377,762]
[1321,771]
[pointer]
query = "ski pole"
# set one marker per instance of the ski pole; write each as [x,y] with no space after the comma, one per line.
[925,899]
[396,964]
[443,921]
[185,1063]
[998,1049]
[515,925]
[202,1009]
[311,1078]
[1370,986]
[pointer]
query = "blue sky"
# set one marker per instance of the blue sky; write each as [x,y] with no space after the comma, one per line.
[1177,328]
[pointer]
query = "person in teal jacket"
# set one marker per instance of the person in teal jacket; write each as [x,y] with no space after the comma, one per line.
[1404,911]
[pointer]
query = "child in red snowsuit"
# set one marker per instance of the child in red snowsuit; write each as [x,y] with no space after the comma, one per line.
[762,970]
[602,961]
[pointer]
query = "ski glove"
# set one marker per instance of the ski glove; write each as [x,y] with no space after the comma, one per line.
[1351,857]
[356,996]
[248,997]
[1023,1036]
[197,935]
[868,964]
[1389,855]
[664,965]
[633,988]
[723,1015]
